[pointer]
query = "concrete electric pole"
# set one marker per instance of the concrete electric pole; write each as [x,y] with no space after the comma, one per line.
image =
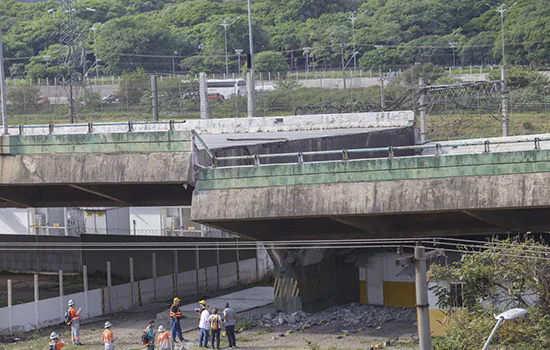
[3,90]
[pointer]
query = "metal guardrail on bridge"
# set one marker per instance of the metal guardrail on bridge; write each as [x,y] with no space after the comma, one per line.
[301,157]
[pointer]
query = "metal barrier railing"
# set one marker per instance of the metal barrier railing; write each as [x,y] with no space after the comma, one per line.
[301,156]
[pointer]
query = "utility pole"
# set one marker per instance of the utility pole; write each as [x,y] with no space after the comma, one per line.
[94,29]
[3,90]
[226,23]
[174,64]
[250,83]
[306,50]
[422,109]
[352,17]
[343,67]
[203,96]
[239,52]
[422,303]
[382,91]
[154,97]
[505,112]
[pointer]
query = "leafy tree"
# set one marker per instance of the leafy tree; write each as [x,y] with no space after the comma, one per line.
[270,61]
[502,275]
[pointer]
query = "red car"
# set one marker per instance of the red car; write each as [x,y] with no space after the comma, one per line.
[216,96]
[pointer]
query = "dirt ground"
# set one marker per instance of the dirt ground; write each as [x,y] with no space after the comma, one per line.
[129,326]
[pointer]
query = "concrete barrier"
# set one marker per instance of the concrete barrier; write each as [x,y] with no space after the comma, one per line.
[236,125]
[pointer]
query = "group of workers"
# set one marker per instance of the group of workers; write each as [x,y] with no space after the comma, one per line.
[108,338]
[210,322]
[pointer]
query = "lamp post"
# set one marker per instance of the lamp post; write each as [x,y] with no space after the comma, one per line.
[239,52]
[3,106]
[306,50]
[226,23]
[453,46]
[96,64]
[174,63]
[352,17]
[502,10]
[507,315]
[251,89]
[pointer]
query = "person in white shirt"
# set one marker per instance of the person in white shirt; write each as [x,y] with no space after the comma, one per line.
[204,327]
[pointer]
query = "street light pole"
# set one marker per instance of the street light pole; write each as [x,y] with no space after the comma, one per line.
[3,91]
[352,17]
[306,50]
[239,52]
[251,88]
[453,46]
[226,23]
[343,68]
[174,64]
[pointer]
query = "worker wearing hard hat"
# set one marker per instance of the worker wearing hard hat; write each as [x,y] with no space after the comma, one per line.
[74,321]
[164,341]
[175,316]
[108,337]
[55,343]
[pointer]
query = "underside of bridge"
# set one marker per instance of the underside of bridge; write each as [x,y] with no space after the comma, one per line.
[459,223]
[96,195]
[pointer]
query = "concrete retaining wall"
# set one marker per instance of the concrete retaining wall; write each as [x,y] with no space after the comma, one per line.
[125,296]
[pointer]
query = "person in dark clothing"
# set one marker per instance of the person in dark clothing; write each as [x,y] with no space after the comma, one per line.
[175,316]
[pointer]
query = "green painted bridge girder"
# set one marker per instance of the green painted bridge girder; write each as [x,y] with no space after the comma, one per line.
[128,142]
[378,169]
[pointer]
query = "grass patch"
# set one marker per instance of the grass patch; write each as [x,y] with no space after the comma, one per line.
[244,324]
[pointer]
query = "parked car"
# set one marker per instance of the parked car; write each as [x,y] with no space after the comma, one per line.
[42,100]
[216,97]
[110,99]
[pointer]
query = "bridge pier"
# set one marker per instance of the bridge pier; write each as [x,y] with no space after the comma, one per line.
[311,280]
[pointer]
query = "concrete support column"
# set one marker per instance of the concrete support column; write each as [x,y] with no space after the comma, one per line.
[154,97]
[36,300]
[132,280]
[154,267]
[238,264]
[10,304]
[257,264]
[61,301]
[109,286]
[363,300]
[422,303]
[85,280]
[203,96]
[176,272]
[505,111]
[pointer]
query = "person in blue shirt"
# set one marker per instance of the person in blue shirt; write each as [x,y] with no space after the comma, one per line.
[150,336]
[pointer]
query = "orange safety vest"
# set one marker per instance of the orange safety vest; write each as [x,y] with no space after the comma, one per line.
[57,344]
[108,337]
[74,313]
[177,313]
[163,339]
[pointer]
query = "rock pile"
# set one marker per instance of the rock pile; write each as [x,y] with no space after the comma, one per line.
[338,317]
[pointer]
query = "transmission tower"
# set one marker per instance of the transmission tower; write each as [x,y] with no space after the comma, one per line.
[71,77]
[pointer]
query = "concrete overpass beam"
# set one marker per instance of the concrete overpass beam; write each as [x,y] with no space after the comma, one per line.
[97,193]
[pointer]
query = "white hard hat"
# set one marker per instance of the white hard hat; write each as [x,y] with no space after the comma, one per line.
[161,328]
[53,335]
[108,324]
[71,302]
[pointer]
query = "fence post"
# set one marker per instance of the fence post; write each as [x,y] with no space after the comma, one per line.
[61,294]
[154,266]
[257,265]
[238,265]
[112,80]
[197,263]
[132,280]
[154,97]
[109,285]
[176,271]
[10,304]
[218,263]
[36,299]
[85,279]
[422,108]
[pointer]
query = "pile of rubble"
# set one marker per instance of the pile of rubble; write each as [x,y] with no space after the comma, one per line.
[346,316]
